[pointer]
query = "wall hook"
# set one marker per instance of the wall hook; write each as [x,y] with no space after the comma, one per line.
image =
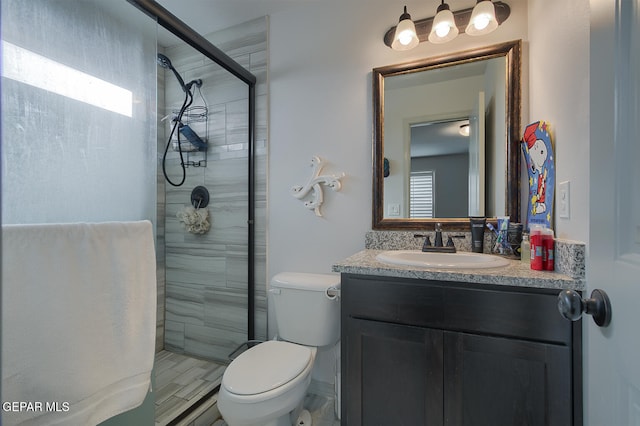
[314,186]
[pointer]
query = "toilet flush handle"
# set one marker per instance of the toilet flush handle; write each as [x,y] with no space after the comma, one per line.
[333,292]
[274,291]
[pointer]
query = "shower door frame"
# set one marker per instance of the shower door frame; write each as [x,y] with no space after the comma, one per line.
[174,25]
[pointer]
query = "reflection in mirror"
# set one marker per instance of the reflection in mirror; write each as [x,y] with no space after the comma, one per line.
[447,128]
[438,165]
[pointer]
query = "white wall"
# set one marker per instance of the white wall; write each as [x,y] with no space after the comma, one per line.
[321,57]
[559,94]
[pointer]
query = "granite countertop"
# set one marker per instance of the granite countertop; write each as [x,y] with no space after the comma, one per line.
[515,274]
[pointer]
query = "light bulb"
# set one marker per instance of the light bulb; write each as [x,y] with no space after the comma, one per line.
[481,22]
[405,37]
[442,30]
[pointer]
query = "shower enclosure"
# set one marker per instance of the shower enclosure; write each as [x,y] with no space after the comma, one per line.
[66,161]
[210,295]
[214,289]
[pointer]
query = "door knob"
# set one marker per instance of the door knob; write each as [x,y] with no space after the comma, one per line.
[571,306]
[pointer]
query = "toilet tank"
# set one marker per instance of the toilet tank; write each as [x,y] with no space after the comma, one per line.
[305,313]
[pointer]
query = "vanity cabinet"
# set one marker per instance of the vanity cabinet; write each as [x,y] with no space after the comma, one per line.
[421,352]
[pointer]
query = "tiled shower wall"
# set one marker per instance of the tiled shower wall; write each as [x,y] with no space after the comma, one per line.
[206,275]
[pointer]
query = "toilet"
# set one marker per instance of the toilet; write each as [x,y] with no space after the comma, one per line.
[266,385]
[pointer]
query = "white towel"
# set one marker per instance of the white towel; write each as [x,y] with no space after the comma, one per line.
[78,321]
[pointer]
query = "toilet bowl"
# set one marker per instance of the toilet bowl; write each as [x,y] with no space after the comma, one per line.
[266,385]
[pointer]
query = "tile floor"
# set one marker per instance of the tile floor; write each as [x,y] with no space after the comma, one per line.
[321,409]
[181,381]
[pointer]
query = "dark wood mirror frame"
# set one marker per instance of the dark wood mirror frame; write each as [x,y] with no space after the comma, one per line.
[512,52]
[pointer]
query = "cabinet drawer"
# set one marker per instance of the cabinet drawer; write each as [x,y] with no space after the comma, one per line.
[524,313]
[406,302]
[529,314]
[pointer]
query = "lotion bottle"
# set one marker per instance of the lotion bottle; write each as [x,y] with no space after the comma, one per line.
[549,250]
[525,250]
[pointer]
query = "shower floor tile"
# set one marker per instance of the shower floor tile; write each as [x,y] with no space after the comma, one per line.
[180,382]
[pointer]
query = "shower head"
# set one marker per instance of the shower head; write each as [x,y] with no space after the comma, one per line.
[164,62]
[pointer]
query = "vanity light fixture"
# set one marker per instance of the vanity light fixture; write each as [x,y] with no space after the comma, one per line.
[444,27]
[405,37]
[482,19]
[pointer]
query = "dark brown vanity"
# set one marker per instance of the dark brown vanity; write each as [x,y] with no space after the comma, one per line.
[433,350]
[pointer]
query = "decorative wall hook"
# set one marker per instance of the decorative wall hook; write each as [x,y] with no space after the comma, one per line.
[314,186]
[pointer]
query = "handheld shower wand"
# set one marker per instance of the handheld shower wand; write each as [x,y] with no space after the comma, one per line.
[164,62]
[184,129]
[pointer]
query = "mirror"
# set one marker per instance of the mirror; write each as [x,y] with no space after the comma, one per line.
[424,169]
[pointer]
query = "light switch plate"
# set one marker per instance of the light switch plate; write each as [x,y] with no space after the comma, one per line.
[394,210]
[564,198]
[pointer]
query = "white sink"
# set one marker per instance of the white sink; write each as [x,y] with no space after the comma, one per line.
[459,260]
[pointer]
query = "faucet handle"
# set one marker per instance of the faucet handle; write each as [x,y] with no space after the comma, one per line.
[427,240]
[438,227]
[450,239]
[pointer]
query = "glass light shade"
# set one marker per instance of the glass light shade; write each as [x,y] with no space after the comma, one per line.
[483,19]
[405,37]
[444,27]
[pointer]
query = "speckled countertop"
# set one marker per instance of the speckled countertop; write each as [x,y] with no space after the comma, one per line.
[515,274]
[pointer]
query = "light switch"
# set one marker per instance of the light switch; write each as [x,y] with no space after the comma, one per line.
[564,199]
[394,209]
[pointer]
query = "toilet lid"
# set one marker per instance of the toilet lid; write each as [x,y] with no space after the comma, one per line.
[266,366]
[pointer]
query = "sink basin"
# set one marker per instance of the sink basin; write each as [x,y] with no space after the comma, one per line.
[459,260]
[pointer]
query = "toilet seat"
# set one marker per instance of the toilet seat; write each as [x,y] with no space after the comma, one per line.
[266,367]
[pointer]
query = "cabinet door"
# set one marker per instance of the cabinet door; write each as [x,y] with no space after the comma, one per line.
[492,381]
[392,374]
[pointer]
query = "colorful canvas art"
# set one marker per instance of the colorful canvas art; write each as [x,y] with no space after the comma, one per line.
[538,153]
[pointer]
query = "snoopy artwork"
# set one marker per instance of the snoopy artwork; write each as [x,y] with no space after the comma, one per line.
[538,153]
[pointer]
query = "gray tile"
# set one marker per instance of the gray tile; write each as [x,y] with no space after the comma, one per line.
[182,381]
[174,334]
[165,392]
[189,312]
[212,342]
[184,311]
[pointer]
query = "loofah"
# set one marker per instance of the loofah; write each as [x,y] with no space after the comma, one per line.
[195,220]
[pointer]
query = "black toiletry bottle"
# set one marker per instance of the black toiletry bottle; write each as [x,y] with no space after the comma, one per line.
[477,233]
